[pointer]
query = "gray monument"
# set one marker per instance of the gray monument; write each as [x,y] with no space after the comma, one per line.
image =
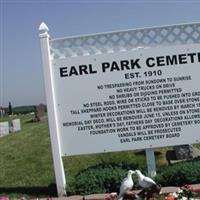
[40,114]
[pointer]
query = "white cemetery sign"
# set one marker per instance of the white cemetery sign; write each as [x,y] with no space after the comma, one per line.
[125,90]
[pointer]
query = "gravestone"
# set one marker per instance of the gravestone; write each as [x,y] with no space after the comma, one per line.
[40,114]
[2,112]
[4,128]
[183,151]
[16,125]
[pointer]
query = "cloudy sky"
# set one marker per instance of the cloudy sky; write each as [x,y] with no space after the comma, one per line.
[21,75]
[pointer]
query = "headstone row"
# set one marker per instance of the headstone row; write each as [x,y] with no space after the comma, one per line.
[6,127]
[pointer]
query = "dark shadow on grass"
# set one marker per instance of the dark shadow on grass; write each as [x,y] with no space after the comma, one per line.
[31,191]
[30,121]
[142,153]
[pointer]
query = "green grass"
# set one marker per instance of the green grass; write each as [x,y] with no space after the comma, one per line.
[26,159]
[26,167]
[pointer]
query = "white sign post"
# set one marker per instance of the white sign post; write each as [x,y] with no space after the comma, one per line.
[136,89]
[52,117]
[151,164]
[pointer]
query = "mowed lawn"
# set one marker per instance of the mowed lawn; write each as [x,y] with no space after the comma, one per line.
[25,157]
[26,166]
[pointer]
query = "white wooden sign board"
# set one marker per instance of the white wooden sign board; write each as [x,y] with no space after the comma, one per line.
[107,110]
[125,90]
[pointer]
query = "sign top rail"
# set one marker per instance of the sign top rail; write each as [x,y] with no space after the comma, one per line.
[125,40]
[125,30]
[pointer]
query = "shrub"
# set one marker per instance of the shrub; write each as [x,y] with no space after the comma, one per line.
[180,173]
[106,178]
[101,178]
[23,109]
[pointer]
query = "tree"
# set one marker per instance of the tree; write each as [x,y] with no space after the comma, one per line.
[10,109]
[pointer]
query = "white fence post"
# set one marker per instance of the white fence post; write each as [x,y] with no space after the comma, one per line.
[51,106]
